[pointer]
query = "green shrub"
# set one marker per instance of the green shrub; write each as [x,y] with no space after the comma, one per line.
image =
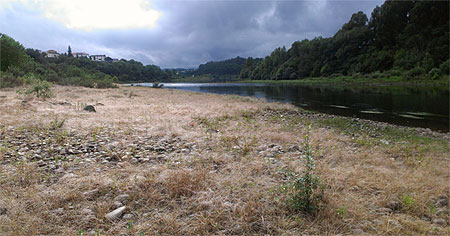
[304,193]
[445,67]
[8,80]
[414,73]
[40,88]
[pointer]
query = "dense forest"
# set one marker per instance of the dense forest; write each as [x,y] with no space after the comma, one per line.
[402,38]
[227,67]
[17,62]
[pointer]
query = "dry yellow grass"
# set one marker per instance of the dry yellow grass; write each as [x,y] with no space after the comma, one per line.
[212,165]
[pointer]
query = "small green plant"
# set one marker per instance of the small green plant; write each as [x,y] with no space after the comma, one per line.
[56,123]
[408,202]
[40,88]
[342,211]
[304,190]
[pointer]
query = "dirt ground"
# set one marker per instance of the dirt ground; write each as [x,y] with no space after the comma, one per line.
[167,162]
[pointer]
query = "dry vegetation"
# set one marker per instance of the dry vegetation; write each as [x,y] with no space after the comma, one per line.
[185,163]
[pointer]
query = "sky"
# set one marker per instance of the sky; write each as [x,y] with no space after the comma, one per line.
[174,33]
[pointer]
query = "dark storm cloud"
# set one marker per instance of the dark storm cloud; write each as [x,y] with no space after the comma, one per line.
[192,32]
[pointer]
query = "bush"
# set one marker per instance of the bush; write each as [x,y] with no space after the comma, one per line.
[8,80]
[304,190]
[445,67]
[40,88]
[396,72]
[414,73]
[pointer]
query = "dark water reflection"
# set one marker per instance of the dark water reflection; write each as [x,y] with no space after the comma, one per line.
[410,106]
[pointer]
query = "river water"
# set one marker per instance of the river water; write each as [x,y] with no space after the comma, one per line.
[416,106]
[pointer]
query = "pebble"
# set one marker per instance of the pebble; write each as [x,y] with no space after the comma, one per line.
[442,201]
[90,195]
[116,213]
[439,221]
[127,216]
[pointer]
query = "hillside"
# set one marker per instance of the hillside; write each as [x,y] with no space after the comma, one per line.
[402,38]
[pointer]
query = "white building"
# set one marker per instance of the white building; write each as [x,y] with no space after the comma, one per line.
[80,54]
[98,57]
[51,54]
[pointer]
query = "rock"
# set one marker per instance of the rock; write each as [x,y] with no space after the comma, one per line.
[442,201]
[383,210]
[294,148]
[123,198]
[3,210]
[91,194]
[117,204]
[116,213]
[439,221]
[89,108]
[127,216]
[59,211]
[394,205]
[86,212]
[442,212]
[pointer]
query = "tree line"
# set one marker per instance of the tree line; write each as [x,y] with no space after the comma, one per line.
[403,38]
[16,62]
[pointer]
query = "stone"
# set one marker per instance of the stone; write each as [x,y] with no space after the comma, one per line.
[117,204]
[439,221]
[384,210]
[116,213]
[91,194]
[127,216]
[123,198]
[3,210]
[442,212]
[87,212]
[442,201]
[89,108]
[394,205]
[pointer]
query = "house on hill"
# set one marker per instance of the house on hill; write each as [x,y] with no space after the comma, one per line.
[80,54]
[51,54]
[98,57]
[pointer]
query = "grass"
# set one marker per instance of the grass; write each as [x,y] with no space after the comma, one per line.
[357,80]
[214,166]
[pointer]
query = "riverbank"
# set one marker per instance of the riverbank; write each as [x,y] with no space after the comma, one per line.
[359,81]
[175,162]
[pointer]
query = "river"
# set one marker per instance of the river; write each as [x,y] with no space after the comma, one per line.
[415,106]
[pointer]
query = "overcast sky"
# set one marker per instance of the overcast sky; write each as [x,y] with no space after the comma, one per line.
[172,33]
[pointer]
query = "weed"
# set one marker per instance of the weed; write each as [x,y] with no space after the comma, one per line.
[304,190]
[342,211]
[56,123]
[40,88]
[408,202]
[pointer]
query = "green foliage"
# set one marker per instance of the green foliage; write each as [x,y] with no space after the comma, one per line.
[304,193]
[40,88]
[445,67]
[12,53]
[227,67]
[408,202]
[8,80]
[400,35]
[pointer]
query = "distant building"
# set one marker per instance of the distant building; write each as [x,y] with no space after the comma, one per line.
[51,54]
[98,57]
[115,60]
[80,54]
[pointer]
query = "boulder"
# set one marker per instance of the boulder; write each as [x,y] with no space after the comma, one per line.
[89,108]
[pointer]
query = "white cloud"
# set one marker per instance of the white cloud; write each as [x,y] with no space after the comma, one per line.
[100,14]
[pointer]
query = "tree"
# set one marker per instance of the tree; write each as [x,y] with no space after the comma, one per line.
[12,54]
[69,52]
